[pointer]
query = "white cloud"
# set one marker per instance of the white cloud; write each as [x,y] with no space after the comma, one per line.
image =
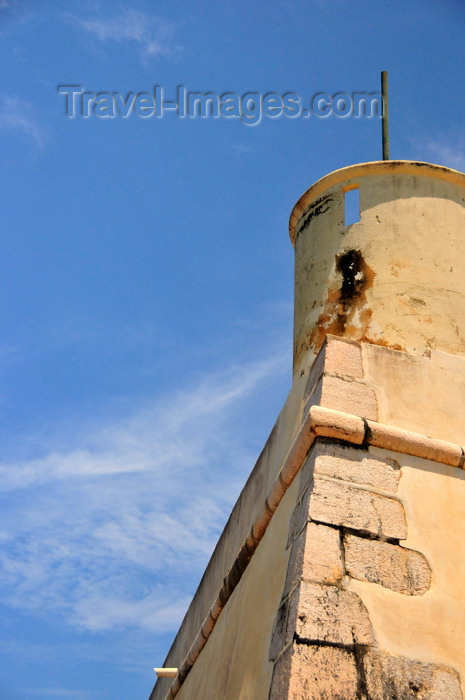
[114,530]
[17,115]
[161,610]
[151,33]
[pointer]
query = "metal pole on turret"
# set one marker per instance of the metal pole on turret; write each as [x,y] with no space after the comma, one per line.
[385,121]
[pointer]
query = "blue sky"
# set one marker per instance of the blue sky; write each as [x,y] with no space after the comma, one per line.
[146,294]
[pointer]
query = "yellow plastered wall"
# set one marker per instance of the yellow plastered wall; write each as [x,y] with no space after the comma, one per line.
[234,665]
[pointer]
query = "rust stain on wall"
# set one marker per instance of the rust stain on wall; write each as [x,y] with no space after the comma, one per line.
[382,343]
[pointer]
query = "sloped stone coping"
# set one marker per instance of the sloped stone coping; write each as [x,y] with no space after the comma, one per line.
[318,422]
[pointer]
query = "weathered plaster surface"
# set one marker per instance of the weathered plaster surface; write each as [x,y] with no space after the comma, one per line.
[424,394]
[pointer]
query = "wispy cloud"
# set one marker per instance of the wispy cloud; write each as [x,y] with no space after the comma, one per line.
[18,116]
[113,530]
[62,693]
[152,34]
[448,151]
[242,149]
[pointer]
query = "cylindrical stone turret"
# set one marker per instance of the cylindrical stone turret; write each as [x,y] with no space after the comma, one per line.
[396,276]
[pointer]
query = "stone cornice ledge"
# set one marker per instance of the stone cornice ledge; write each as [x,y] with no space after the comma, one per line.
[318,422]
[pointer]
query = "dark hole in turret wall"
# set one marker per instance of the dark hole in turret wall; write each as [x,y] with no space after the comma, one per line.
[352,266]
[345,310]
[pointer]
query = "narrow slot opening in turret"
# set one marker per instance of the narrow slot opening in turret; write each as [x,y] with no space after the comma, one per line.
[351,205]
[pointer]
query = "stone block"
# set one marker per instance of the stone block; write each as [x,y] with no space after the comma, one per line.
[345,395]
[315,373]
[316,556]
[307,672]
[327,614]
[343,357]
[356,465]
[308,468]
[402,679]
[402,570]
[349,397]
[347,506]
[335,357]
[300,516]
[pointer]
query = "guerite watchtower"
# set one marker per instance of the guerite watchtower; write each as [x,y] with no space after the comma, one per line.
[340,571]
